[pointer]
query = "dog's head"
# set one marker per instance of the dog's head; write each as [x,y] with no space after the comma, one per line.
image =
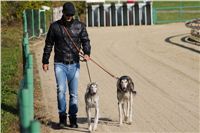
[92,88]
[125,84]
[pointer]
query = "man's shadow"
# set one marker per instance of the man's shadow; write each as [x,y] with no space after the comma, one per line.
[55,126]
[102,121]
[83,120]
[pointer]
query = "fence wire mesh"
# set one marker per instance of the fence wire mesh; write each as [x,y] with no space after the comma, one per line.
[175,14]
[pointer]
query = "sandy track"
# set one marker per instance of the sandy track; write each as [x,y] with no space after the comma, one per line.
[166,79]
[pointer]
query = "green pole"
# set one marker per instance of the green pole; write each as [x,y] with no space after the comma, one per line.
[39,22]
[24,21]
[27,51]
[154,16]
[30,61]
[29,83]
[25,107]
[26,38]
[35,127]
[45,25]
[32,22]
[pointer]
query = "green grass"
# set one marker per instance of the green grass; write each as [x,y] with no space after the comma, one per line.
[160,4]
[10,75]
[172,17]
[168,12]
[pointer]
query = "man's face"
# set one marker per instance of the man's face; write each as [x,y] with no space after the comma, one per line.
[68,17]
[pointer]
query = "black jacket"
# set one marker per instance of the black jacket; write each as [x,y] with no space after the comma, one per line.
[63,47]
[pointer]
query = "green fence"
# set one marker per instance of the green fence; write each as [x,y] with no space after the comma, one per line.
[26,95]
[175,14]
[37,21]
[34,25]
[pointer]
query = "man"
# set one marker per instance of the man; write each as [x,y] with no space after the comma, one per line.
[66,60]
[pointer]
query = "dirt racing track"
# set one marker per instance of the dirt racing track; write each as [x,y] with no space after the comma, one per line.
[165,70]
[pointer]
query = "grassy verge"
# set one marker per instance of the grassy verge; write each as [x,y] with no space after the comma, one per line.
[11,71]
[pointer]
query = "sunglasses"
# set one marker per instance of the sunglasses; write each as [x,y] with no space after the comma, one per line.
[69,15]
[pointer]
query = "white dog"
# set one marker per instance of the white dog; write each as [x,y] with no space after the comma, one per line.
[92,101]
[125,91]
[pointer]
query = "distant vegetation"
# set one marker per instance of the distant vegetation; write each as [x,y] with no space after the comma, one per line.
[11,11]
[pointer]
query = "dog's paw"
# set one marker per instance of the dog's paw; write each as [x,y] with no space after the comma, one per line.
[129,123]
[90,128]
[94,128]
[120,124]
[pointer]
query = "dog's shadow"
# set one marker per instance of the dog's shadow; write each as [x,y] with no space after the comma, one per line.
[108,121]
[102,121]
[82,120]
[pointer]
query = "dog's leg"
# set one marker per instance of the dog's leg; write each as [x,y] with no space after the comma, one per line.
[96,118]
[131,109]
[120,113]
[90,125]
[124,108]
[128,110]
[88,111]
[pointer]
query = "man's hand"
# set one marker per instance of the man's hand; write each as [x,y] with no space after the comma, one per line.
[45,67]
[86,57]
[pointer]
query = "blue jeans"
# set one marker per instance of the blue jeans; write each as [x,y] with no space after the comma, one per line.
[67,78]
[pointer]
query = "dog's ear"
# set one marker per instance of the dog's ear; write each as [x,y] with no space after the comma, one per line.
[88,88]
[131,84]
[118,84]
[96,84]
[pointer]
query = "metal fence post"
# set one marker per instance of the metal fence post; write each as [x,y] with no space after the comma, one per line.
[39,23]
[32,22]
[29,83]
[25,49]
[35,127]
[154,16]
[44,21]
[24,22]
[25,110]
